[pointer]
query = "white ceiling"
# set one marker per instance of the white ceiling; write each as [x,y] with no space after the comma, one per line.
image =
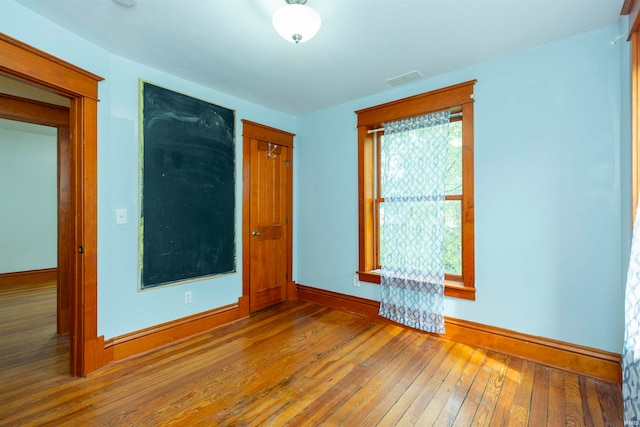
[230,45]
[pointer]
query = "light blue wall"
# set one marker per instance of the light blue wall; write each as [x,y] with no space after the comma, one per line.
[119,189]
[28,190]
[121,307]
[548,195]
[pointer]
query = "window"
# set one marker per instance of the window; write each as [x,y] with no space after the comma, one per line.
[459,233]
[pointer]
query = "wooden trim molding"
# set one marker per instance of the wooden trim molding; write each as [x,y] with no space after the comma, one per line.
[457,98]
[628,6]
[32,111]
[266,133]
[155,337]
[32,276]
[451,288]
[30,65]
[424,103]
[635,120]
[631,8]
[27,63]
[571,357]
[252,130]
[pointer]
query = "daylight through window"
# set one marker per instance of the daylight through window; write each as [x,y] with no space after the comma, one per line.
[372,166]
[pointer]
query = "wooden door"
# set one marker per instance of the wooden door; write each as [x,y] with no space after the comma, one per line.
[267,215]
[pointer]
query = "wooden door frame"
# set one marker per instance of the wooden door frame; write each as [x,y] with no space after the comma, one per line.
[632,9]
[28,64]
[265,133]
[40,113]
[635,118]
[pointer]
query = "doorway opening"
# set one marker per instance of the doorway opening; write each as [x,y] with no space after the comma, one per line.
[36,68]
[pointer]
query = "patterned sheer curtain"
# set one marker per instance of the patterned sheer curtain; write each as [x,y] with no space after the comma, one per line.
[631,349]
[413,158]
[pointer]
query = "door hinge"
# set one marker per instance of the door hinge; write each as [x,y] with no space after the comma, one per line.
[80,250]
[287,162]
[286,275]
[286,220]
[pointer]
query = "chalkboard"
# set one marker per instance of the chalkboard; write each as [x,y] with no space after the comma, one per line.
[187,195]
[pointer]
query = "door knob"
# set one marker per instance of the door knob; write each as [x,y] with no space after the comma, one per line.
[256,233]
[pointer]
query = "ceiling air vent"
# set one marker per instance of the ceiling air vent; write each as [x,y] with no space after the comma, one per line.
[405,78]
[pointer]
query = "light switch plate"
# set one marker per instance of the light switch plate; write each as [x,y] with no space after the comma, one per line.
[121,216]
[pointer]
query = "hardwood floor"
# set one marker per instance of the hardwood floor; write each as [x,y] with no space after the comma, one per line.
[295,364]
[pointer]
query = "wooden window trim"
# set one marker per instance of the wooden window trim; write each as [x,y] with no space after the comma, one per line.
[452,97]
[632,8]
[635,119]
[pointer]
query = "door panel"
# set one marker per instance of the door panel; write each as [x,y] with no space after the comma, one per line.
[65,232]
[268,219]
[267,213]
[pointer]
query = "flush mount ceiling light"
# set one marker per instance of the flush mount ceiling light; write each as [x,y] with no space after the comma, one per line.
[296,22]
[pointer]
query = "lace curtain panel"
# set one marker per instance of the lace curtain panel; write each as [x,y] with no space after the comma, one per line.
[631,349]
[413,158]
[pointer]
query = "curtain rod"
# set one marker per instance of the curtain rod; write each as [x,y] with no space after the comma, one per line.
[454,115]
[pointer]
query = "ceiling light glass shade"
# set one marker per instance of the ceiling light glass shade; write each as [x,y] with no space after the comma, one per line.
[296,22]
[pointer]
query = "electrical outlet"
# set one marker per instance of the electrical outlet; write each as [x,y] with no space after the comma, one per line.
[188,297]
[356,280]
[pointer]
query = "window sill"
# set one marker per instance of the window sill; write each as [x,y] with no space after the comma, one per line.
[452,288]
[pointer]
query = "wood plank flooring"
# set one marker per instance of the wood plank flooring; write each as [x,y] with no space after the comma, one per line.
[295,364]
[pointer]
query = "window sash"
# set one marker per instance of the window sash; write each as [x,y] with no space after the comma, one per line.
[379,200]
[458,99]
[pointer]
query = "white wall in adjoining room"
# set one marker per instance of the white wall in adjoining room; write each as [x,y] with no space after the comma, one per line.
[29,194]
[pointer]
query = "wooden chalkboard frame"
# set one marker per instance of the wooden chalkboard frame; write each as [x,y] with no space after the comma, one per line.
[187,197]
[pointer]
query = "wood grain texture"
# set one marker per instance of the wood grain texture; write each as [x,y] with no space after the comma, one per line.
[631,8]
[468,212]
[266,133]
[572,357]
[458,98]
[21,278]
[297,363]
[635,110]
[33,66]
[267,208]
[149,339]
[416,105]
[66,230]
[628,6]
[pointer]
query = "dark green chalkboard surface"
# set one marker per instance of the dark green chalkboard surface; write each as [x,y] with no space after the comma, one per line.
[187,194]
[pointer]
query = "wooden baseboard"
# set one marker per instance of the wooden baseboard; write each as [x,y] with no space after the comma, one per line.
[583,360]
[292,291]
[155,337]
[29,277]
